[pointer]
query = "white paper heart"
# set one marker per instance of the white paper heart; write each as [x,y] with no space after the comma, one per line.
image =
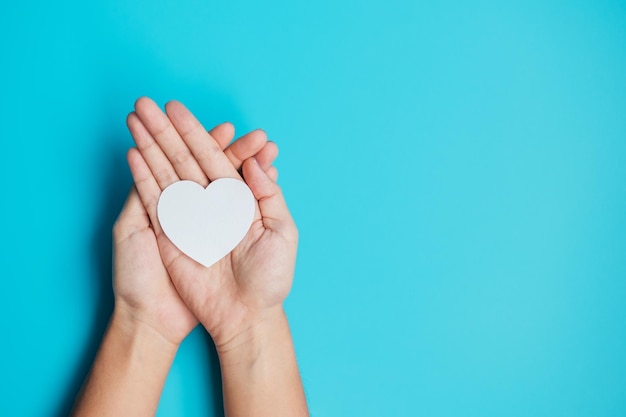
[206,224]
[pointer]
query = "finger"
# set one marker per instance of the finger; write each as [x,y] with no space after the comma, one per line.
[272,205]
[146,185]
[133,217]
[170,142]
[202,145]
[158,163]
[149,193]
[272,172]
[245,147]
[267,155]
[223,134]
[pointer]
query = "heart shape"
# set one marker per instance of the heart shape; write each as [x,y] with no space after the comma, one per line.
[206,223]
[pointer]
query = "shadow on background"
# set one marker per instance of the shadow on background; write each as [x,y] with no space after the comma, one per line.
[215,376]
[113,193]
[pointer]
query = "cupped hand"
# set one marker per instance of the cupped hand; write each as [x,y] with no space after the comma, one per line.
[248,285]
[144,292]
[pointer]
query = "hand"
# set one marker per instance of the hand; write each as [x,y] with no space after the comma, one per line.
[144,294]
[250,284]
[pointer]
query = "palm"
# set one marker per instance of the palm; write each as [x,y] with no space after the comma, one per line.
[255,275]
[258,272]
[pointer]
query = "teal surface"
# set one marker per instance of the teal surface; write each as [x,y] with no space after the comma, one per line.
[457,171]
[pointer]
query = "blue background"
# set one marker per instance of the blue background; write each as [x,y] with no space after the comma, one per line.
[456,169]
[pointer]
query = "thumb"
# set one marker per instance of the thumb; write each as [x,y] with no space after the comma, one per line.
[272,206]
[133,217]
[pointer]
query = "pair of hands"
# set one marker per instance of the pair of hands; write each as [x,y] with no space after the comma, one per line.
[157,286]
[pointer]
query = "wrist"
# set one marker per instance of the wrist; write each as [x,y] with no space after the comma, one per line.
[129,371]
[259,332]
[130,325]
[259,370]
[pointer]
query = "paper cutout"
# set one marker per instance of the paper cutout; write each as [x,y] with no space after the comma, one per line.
[206,224]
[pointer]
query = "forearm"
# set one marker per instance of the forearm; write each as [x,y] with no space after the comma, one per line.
[129,371]
[260,375]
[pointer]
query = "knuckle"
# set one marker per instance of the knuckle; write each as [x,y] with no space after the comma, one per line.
[163,177]
[208,152]
[145,145]
[180,157]
[195,128]
[162,131]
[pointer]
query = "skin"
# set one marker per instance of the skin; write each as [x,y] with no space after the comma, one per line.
[160,294]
